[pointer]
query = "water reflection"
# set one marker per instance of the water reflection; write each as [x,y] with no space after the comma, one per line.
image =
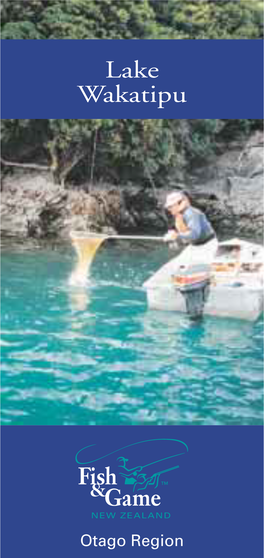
[79,298]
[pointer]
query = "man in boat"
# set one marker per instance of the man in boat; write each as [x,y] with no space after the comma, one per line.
[192,229]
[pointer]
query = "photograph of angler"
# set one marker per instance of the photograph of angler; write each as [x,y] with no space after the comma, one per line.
[132,249]
[132,272]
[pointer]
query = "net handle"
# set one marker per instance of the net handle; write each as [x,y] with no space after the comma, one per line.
[81,235]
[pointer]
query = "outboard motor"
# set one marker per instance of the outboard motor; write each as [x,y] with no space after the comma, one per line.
[193,283]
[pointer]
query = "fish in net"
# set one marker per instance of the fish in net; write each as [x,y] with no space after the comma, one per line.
[86,248]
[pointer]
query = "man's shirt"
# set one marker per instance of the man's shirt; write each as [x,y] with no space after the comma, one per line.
[199,228]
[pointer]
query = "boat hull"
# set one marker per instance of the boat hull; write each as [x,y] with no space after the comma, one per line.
[225,302]
[229,295]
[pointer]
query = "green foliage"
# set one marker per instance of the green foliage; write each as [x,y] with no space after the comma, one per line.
[83,19]
[205,19]
[118,150]
[132,19]
[20,30]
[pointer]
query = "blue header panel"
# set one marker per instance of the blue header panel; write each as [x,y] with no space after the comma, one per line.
[132,79]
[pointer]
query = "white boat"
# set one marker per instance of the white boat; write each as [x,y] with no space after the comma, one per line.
[222,279]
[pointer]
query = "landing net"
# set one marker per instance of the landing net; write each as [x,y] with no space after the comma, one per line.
[86,249]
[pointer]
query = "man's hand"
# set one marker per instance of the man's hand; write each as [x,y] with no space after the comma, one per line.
[170,236]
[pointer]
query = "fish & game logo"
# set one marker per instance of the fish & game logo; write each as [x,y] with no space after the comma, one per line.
[140,466]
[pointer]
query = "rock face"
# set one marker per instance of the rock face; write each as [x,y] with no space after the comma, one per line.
[229,189]
[32,206]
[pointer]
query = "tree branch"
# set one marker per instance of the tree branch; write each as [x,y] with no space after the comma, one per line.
[93,155]
[26,165]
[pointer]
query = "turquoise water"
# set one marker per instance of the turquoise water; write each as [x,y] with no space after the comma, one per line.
[97,355]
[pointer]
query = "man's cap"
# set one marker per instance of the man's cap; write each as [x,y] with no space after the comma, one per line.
[173,197]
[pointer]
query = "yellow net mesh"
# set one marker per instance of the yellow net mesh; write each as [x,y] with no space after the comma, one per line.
[86,249]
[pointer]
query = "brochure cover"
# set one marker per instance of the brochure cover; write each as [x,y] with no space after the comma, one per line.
[132,278]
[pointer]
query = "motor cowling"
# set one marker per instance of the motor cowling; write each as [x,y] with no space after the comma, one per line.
[193,283]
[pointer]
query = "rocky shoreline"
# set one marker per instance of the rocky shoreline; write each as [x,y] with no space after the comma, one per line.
[229,188]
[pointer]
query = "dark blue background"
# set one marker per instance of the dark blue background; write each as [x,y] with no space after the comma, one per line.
[215,497]
[222,79]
